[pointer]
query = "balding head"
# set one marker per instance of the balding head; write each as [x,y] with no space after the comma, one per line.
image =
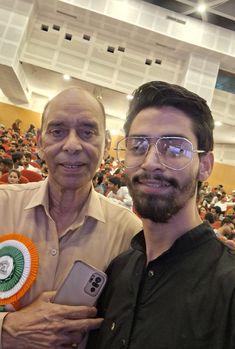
[71,94]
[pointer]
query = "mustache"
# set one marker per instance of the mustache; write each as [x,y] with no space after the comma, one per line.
[157,176]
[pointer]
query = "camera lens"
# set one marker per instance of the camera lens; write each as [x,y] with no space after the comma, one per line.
[97,279]
[93,289]
[95,284]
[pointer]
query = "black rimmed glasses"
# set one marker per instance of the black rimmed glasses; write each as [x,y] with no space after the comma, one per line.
[175,153]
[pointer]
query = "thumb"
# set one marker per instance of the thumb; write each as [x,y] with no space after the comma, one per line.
[48,296]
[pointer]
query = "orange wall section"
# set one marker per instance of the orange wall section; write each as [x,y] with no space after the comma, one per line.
[9,113]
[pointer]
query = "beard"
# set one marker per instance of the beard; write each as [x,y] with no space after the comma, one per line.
[161,207]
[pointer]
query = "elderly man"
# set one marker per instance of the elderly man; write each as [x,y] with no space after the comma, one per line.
[66,220]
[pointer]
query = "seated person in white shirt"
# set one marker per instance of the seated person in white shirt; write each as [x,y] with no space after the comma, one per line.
[118,192]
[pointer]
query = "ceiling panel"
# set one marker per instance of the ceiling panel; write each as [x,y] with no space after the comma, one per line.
[220,12]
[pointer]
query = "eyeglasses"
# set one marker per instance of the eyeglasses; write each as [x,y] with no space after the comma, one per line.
[175,153]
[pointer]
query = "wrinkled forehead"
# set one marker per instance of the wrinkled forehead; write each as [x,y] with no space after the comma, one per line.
[76,103]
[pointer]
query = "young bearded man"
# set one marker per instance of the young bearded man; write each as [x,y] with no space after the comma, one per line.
[175,288]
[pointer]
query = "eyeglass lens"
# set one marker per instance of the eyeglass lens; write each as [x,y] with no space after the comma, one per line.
[173,152]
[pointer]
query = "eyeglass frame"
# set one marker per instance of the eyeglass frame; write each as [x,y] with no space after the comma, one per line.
[156,140]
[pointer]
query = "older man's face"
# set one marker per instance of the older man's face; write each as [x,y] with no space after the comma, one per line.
[72,139]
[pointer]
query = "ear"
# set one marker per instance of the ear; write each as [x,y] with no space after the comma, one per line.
[108,141]
[39,144]
[205,166]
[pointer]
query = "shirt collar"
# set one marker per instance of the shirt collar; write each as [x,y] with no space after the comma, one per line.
[92,207]
[186,242]
[40,197]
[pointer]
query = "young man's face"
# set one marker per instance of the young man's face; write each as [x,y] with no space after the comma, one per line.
[22,161]
[157,191]
[72,139]
[113,187]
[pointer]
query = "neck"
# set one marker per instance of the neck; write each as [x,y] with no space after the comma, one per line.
[65,205]
[159,237]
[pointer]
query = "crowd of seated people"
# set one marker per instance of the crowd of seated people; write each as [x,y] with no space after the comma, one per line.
[18,152]
[110,181]
[218,208]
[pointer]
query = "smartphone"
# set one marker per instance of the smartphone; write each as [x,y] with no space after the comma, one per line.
[82,286]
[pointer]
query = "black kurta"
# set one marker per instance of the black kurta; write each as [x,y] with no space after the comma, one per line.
[184,299]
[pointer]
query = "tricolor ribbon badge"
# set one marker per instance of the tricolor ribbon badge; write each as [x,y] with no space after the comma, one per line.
[18,269]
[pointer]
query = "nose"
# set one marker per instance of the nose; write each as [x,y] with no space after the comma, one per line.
[72,142]
[151,161]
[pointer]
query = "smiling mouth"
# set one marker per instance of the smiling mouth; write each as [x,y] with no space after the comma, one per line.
[72,166]
[154,183]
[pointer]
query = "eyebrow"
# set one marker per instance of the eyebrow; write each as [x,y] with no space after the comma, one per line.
[55,123]
[165,135]
[80,123]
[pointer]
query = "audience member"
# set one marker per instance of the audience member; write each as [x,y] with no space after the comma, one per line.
[226,232]
[209,217]
[5,165]
[99,186]
[18,159]
[222,203]
[202,212]
[217,213]
[13,176]
[16,125]
[29,165]
[114,183]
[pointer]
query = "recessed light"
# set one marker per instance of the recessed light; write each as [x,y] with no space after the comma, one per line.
[218,123]
[201,8]
[67,77]
[129,97]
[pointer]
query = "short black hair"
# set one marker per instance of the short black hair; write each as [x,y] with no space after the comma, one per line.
[209,217]
[227,220]
[17,156]
[159,94]
[217,209]
[115,180]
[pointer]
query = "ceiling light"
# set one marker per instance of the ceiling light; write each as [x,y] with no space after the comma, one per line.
[67,77]
[218,123]
[129,97]
[114,132]
[201,8]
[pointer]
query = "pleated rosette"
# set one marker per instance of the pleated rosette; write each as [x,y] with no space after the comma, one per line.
[18,267]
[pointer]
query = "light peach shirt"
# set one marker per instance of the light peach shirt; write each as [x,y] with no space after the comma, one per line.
[102,230]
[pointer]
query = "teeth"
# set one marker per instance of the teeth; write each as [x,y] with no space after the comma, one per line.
[156,184]
[71,166]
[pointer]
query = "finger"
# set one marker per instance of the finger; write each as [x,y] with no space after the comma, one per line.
[78,327]
[78,312]
[47,296]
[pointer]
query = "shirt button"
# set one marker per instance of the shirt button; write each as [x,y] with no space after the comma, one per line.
[53,251]
[113,326]
[151,273]
[123,342]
